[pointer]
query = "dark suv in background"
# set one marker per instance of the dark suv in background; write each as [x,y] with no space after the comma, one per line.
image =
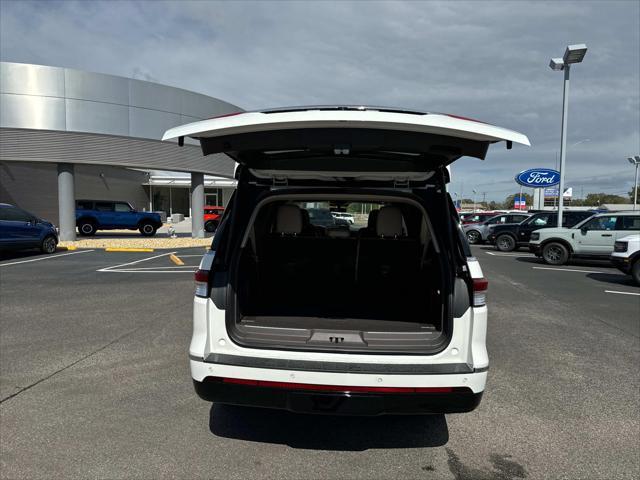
[510,237]
[94,215]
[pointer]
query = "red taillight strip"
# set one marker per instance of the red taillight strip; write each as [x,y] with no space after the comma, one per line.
[334,388]
[480,284]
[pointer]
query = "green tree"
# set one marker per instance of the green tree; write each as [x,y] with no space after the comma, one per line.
[597,199]
[631,193]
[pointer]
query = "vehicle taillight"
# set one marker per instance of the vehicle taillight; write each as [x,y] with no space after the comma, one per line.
[480,286]
[202,283]
[620,247]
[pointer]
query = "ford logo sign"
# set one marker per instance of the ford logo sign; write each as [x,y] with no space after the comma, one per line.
[538,177]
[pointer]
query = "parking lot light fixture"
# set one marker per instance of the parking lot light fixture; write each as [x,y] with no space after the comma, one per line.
[635,160]
[573,54]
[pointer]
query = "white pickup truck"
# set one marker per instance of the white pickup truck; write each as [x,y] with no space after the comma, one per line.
[591,238]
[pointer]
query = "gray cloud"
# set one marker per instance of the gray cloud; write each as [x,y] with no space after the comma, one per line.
[486,60]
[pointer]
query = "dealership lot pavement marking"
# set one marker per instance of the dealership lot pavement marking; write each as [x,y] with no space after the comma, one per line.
[49,257]
[504,254]
[622,293]
[568,270]
[180,267]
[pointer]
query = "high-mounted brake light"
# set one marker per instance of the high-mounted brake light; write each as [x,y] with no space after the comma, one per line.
[480,286]
[465,118]
[202,283]
[225,115]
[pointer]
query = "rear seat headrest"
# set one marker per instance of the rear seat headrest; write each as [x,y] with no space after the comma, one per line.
[389,222]
[289,220]
[372,221]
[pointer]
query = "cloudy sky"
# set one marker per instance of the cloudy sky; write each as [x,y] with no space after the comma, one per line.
[486,60]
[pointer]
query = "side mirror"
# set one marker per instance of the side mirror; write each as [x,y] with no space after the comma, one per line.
[584,230]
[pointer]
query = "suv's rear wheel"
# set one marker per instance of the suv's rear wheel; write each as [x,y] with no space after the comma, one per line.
[48,244]
[87,227]
[211,225]
[473,236]
[555,253]
[505,243]
[147,229]
[635,271]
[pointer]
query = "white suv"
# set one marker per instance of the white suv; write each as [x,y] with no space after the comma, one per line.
[591,238]
[388,318]
[626,256]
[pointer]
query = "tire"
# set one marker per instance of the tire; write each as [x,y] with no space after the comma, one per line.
[474,237]
[635,272]
[211,225]
[506,243]
[555,253]
[48,244]
[87,228]
[147,229]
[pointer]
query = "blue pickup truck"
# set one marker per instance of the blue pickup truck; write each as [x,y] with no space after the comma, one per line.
[93,215]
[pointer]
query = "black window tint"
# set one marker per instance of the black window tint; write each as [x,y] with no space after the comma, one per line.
[104,206]
[13,214]
[630,223]
[601,223]
[84,205]
[542,220]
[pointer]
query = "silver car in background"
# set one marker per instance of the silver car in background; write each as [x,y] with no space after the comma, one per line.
[478,232]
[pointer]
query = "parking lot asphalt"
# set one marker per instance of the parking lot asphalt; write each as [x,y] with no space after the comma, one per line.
[94,382]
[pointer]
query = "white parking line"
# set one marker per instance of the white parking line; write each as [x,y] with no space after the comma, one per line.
[140,270]
[177,267]
[568,270]
[162,269]
[622,293]
[109,269]
[504,254]
[50,257]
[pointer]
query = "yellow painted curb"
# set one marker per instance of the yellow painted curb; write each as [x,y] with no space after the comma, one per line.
[176,260]
[113,249]
[64,249]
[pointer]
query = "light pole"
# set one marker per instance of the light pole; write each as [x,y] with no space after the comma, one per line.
[573,54]
[474,200]
[635,161]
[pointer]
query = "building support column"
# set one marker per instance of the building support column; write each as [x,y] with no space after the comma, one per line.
[197,205]
[66,202]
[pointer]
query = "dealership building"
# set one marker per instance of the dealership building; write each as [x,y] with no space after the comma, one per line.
[67,134]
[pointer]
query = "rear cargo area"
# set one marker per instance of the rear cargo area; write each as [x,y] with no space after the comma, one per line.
[376,285]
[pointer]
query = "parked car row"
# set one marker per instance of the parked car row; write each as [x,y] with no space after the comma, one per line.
[479,232]
[21,230]
[585,234]
[509,237]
